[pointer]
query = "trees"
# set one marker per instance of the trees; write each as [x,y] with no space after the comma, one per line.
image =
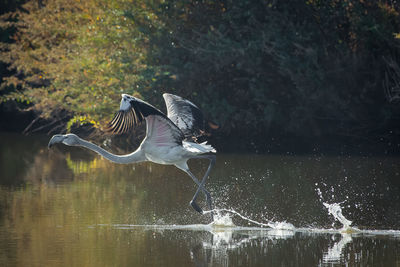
[304,68]
[298,68]
[75,58]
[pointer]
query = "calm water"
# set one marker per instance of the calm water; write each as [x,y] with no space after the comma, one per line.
[69,207]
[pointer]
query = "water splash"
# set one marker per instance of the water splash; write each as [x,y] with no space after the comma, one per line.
[282,226]
[336,211]
[225,220]
[222,220]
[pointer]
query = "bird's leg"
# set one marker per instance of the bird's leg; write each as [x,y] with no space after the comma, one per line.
[203,181]
[192,202]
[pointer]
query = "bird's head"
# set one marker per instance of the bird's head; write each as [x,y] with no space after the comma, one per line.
[66,139]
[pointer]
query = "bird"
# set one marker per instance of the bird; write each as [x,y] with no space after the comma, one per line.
[170,139]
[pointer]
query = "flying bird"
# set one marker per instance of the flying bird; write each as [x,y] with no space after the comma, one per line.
[170,139]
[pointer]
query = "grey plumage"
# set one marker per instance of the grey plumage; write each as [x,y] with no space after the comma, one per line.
[168,138]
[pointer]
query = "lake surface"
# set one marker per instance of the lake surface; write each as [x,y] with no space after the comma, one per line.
[69,207]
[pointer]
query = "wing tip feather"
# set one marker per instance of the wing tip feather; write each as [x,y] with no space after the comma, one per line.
[123,122]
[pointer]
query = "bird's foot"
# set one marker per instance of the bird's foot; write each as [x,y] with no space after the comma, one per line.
[196,207]
[199,210]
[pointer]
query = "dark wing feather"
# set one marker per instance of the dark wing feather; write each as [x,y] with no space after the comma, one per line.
[186,115]
[125,120]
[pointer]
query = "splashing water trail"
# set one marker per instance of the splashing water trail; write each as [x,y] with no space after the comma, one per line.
[282,226]
[225,220]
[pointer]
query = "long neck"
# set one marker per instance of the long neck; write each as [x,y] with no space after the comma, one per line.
[136,156]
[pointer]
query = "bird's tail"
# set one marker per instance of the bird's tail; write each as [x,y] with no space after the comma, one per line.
[207,147]
[199,148]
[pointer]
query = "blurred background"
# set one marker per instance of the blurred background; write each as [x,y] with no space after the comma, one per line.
[275,76]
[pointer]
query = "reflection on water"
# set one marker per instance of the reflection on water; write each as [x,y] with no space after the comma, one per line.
[335,253]
[69,207]
[251,246]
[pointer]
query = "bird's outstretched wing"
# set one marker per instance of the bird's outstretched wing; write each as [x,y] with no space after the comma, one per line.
[186,116]
[133,111]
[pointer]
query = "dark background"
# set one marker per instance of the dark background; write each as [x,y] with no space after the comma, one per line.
[276,76]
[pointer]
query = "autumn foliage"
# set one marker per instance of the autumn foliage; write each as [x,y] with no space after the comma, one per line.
[293,68]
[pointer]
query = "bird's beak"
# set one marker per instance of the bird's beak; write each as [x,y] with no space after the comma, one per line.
[58,138]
